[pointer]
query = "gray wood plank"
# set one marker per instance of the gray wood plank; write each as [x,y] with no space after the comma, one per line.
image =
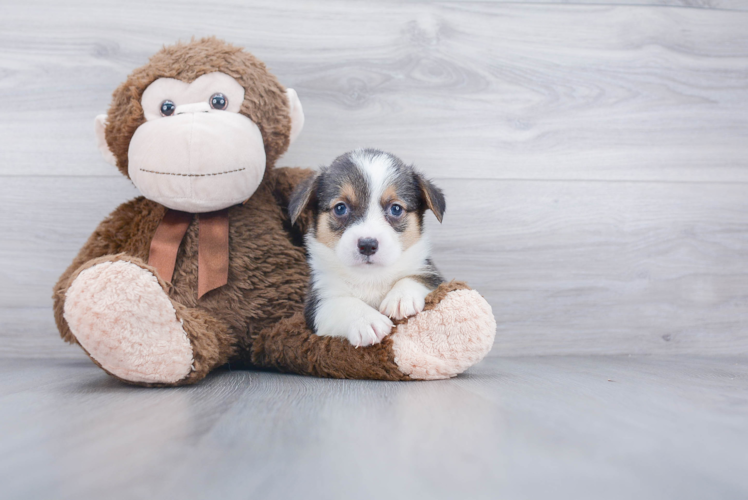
[30,333]
[689,4]
[489,90]
[568,267]
[560,427]
[599,267]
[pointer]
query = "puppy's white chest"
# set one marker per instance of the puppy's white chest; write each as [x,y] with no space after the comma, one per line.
[371,293]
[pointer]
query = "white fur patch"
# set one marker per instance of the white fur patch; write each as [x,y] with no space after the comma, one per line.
[350,297]
[373,226]
[407,298]
[370,284]
[378,170]
[353,319]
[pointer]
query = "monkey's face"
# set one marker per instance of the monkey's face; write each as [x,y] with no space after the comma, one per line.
[196,152]
[192,137]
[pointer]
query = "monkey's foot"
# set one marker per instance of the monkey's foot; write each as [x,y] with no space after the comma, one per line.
[125,321]
[446,340]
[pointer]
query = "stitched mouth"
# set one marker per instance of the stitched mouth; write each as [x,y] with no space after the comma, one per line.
[192,175]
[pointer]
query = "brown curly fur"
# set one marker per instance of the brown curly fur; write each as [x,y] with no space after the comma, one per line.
[255,318]
[267,271]
[288,346]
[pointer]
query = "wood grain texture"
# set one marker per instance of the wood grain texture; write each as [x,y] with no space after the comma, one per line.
[689,4]
[533,428]
[599,267]
[492,90]
[594,156]
[568,267]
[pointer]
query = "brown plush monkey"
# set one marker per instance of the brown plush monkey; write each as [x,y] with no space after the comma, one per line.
[205,268]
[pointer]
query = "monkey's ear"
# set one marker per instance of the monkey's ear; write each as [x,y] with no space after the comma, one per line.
[297,114]
[432,196]
[100,128]
[304,193]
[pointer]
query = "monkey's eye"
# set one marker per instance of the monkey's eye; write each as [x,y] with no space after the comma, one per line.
[396,210]
[167,108]
[340,209]
[218,101]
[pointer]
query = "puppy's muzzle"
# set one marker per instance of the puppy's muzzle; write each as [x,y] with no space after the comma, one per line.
[367,246]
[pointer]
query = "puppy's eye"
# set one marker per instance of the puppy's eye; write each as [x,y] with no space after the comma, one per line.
[167,108]
[218,101]
[340,209]
[396,210]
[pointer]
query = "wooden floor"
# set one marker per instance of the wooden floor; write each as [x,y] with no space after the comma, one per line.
[517,428]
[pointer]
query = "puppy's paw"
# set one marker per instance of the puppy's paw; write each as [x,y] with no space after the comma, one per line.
[407,298]
[369,328]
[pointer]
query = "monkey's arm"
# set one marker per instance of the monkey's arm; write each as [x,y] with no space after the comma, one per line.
[123,231]
[455,330]
[284,181]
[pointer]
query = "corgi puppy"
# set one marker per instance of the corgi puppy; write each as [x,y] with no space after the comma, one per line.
[366,247]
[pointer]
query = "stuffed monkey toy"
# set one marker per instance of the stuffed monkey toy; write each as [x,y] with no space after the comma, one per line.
[206,268]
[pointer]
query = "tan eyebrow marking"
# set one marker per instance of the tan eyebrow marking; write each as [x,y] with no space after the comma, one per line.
[390,196]
[347,193]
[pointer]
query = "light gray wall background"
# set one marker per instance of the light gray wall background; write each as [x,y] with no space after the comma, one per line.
[594,153]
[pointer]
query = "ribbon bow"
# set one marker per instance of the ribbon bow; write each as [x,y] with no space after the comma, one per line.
[212,251]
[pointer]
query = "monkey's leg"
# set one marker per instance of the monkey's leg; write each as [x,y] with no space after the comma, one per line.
[455,330]
[119,312]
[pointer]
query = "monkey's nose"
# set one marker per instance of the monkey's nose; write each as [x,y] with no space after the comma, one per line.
[195,107]
[367,246]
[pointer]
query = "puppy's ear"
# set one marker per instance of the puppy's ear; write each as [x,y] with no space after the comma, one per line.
[432,196]
[304,194]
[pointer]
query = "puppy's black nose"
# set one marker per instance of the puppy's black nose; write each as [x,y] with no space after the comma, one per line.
[367,246]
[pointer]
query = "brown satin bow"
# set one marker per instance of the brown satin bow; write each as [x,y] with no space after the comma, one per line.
[212,251]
